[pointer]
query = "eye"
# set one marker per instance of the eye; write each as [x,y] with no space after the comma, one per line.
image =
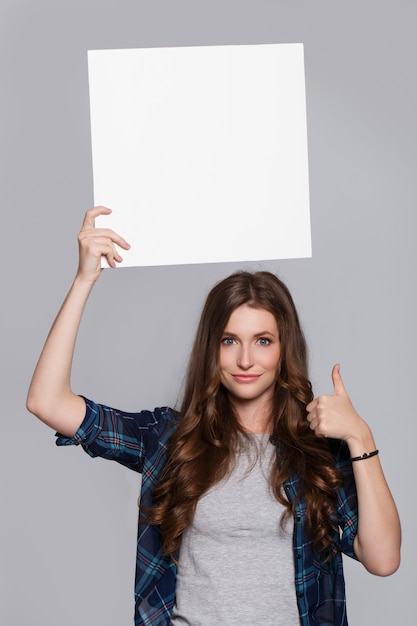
[228,341]
[264,341]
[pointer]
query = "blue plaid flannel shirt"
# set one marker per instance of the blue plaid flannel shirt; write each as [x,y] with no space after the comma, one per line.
[138,441]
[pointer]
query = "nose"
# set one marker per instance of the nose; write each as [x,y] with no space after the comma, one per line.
[244,359]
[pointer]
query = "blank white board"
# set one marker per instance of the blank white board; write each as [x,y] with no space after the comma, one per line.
[201,152]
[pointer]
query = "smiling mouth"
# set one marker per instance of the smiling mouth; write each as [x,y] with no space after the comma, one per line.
[246,378]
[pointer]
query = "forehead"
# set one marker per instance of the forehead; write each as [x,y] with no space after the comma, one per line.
[252,320]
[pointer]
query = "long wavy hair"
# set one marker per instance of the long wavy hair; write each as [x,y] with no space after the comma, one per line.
[201,451]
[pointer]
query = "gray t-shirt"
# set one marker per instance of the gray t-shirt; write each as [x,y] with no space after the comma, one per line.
[236,563]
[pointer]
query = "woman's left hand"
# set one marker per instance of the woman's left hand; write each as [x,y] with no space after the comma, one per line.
[334,415]
[378,539]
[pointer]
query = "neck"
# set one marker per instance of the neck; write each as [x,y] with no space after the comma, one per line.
[254,419]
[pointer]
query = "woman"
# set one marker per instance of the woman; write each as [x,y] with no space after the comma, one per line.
[254,489]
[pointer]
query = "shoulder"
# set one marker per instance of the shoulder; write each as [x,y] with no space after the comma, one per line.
[162,419]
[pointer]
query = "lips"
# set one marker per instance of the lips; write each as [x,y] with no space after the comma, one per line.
[246,378]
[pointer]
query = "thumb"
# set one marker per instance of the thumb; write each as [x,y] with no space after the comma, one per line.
[339,388]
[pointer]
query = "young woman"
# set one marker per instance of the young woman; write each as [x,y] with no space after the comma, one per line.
[254,489]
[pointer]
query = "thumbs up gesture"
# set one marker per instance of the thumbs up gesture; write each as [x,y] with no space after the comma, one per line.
[334,415]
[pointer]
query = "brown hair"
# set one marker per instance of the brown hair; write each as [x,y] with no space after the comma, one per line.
[201,450]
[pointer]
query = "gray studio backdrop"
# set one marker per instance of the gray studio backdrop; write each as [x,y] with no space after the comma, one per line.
[68,523]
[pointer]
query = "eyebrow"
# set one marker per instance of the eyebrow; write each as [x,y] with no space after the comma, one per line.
[261,334]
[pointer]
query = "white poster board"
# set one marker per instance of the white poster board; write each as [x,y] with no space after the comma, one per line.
[201,152]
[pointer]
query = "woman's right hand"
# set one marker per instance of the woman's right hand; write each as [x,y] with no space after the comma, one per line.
[50,396]
[97,242]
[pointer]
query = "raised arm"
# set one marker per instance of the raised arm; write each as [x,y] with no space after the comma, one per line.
[377,543]
[50,396]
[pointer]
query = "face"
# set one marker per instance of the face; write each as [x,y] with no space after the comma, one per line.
[249,355]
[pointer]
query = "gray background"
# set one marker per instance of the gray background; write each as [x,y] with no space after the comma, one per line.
[68,523]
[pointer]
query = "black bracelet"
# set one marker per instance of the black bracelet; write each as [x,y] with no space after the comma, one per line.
[365,455]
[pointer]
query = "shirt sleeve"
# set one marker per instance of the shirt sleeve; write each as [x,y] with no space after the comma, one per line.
[117,435]
[347,500]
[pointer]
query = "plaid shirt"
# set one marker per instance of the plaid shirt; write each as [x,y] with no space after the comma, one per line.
[138,441]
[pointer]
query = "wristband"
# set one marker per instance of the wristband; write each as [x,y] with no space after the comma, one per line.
[365,455]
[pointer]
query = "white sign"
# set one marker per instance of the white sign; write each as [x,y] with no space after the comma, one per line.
[201,152]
